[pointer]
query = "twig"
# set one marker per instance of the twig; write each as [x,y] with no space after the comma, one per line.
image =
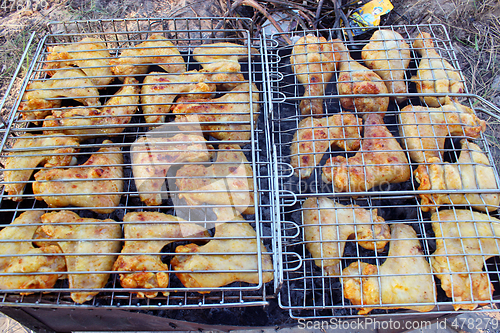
[318,12]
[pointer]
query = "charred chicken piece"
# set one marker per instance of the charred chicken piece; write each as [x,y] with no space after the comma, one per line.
[144,255]
[117,111]
[424,130]
[314,62]
[90,54]
[405,277]
[156,50]
[464,241]
[381,160]
[388,55]
[31,260]
[91,185]
[435,74]
[354,79]
[153,157]
[225,118]
[90,248]
[472,171]
[315,135]
[31,150]
[327,225]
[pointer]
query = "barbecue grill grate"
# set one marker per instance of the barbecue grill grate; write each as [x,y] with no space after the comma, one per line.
[119,35]
[307,290]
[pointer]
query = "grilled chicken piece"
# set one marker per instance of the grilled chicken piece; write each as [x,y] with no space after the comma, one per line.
[31,260]
[355,78]
[229,181]
[91,185]
[315,135]
[464,241]
[314,62]
[156,50]
[147,258]
[404,278]
[90,54]
[90,247]
[424,130]
[381,160]
[435,74]
[471,172]
[117,111]
[222,117]
[233,248]
[159,92]
[41,96]
[327,226]
[25,157]
[388,55]
[153,157]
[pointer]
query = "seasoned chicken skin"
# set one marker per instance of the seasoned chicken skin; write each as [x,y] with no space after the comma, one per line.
[153,157]
[90,54]
[424,129]
[117,111]
[404,278]
[315,135]
[225,118]
[355,78]
[156,50]
[464,241]
[381,160]
[472,171]
[327,225]
[96,183]
[31,260]
[41,96]
[388,55]
[229,181]
[97,239]
[233,248]
[26,156]
[314,62]
[147,258]
[435,74]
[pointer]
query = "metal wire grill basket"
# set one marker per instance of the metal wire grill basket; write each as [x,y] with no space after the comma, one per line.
[335,203]
[109,108]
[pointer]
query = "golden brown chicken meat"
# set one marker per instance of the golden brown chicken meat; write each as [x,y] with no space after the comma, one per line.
[388,55]
[227,182]
[327,226]
[315,135]
[472,171]
[464,241]
[42,96]
[435,74]
[157,230]
[156,50]
[31,260]
[424,129]
[32,150]
[153,157]
[90,248]
[381,160]
[90,54]
[96,183]
[314,62]
[354,79]
[405,277]
[98,121]
[225,118]
[234,248]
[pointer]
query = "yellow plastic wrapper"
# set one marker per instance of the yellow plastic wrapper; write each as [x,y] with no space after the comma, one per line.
[369,15]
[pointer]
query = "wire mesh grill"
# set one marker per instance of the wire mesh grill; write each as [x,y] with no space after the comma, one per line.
[134,147]
[364,193]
